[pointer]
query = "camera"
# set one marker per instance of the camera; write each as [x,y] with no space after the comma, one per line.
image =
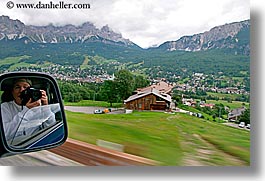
[30,92]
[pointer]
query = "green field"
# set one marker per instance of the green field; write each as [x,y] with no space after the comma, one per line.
[222,95]
[231,105]
[12,60]
[172,139]
[85,64]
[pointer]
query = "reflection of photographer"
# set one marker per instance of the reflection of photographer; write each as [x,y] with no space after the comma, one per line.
[22,99]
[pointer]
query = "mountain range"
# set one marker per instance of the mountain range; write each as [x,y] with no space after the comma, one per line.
[87,32]
[78,50]
[233,37]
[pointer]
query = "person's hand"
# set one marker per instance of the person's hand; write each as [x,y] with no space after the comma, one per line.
[44,99]
[33,104]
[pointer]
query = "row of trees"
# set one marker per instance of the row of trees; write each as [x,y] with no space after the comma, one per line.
[121,88]
[111,91]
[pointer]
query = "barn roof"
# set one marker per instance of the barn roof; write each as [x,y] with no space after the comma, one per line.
[164,96]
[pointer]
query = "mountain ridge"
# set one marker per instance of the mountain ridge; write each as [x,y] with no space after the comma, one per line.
[227,55]
[220,37]
[87,32]
[231,37]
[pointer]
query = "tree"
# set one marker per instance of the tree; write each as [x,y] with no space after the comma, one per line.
[73,97]
[140,81]
[245,117]
[124,83]
[109,92]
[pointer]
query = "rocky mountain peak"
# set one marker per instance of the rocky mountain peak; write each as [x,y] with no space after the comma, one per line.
[228,36]
[10,26]
[87,32]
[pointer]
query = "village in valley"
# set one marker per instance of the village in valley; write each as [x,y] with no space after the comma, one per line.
[182,93]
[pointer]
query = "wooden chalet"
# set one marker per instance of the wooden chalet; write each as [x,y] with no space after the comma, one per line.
[149,99]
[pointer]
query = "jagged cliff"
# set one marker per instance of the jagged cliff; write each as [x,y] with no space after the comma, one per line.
[87,32]
[234,36]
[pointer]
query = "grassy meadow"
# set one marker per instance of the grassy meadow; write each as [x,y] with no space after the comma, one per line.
[231,105]
[172,139]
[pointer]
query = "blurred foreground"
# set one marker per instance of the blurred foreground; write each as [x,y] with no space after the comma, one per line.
[41,158]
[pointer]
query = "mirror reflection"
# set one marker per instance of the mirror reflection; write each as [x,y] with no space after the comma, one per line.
[30,112]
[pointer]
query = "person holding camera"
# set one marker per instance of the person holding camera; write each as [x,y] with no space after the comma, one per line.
[19,104]
[21,85]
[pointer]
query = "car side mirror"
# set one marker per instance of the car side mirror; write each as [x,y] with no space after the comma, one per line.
[32,115]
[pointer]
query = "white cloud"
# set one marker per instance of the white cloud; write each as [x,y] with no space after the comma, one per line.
[145,22]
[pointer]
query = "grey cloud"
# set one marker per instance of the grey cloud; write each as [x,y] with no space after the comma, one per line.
[145,22]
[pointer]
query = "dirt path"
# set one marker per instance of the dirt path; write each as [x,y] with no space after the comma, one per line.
[209,155]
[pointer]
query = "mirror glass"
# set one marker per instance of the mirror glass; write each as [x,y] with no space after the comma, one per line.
[31,112]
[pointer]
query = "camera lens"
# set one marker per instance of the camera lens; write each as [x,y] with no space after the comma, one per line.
[36,95]
[30,92]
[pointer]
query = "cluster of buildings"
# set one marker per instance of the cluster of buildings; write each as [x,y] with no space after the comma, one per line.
[200,81]
[72,73]
[191,102]
[89,79]
[229,90]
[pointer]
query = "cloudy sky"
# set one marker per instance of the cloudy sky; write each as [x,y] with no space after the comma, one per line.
[145,22]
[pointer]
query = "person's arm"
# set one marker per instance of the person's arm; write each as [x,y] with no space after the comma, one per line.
[48,114]
[11,120]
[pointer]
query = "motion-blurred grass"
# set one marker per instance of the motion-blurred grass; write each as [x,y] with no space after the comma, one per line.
[172,139]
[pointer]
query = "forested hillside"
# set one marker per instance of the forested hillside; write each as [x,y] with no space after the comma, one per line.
[221,53]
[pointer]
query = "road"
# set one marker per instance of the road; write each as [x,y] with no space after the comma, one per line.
[91,109]
[235,126]
[83,109]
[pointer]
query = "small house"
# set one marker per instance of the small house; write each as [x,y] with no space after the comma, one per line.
[211,106]
[150,99]
[235,113]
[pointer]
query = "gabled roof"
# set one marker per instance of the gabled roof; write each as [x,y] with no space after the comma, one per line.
[236,112]
[164,96]
[160,86]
